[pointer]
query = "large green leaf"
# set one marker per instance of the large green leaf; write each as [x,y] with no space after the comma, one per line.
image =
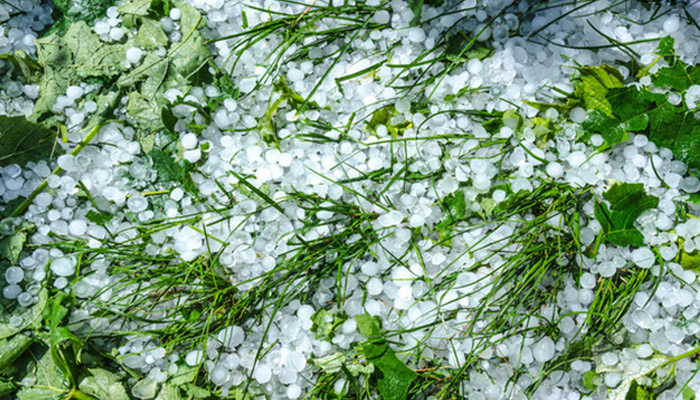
[104,385]
[22,141]
[396,377]
[49,381]
[627,202]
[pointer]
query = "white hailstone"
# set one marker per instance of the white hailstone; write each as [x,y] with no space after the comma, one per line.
[577,115]
[77,227]
[293,391]
[391,218]
[349,326]
[690,184]
[219,375]
[597,140]
[133,55]
[672,24]
[137,203]
[175,14]
[543,350]
[554,169]
[643,257]
[102,27]
[189,141]
[231,336]
[194,357]
[587,280]
[576,158]
[644,350]
[177,194]
[403,106]
[262,373]
[14,275]
[607,270]
[498,195]
[405,293]
[612,379]
[192,155]
[60,283]
[416,220]
[74,92]
[11,292]
[116,33]
[296,360]
[62,267]
[609,359]
[416,34]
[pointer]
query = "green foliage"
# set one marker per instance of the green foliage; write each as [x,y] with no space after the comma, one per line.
[11,246]
[22,141]
[11,349]
[83,10]
[69,59]
[627,202]
[325,322]
[396,377]
[593,84]
[103,384]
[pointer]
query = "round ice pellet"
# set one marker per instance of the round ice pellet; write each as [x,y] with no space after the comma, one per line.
[134,54]
[554,169]
[262,374]
[14,275]
[62,267]
[77,227]
[643,257]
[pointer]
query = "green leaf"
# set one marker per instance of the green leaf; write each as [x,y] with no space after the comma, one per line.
[627,202]
[104,385]
[145,111]
[11,247]
[680,76]
[191,54]
[151,34]
[688,393]
[168,392]
[98,217]
[28,316]
[593,85]
[168,170]
[49,380]
[396,377]
[637,392]
[22,141]
[135,7]
[10,350]
[677,129]
[665,46]
[588,379]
